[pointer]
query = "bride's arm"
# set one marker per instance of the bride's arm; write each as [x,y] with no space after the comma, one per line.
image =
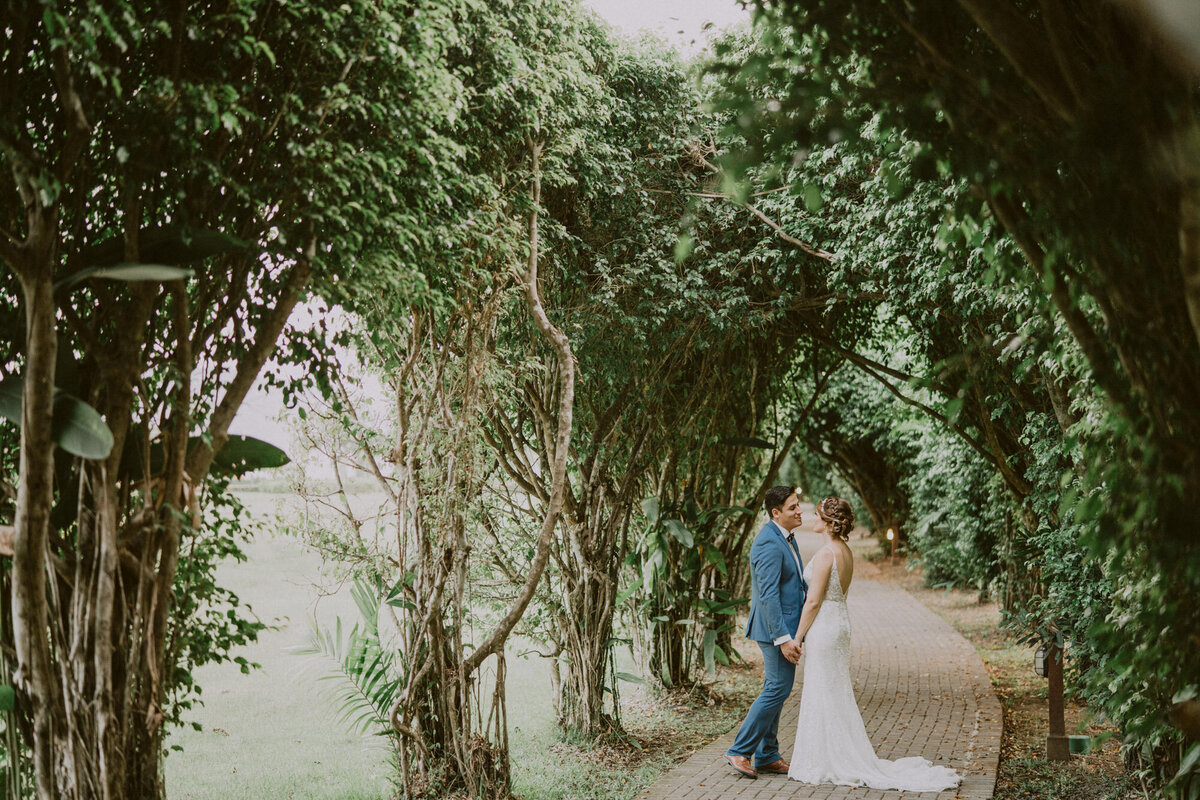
[822,565]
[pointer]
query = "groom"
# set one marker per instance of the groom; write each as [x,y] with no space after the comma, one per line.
[777,595]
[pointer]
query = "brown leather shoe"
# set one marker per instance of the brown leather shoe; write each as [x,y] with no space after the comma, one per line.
[779,767]
[742,765]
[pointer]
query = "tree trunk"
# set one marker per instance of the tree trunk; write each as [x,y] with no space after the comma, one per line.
[1188,169]
[667,661]
[35,677]
[443,745]
[587,630]
[564,415]
[581,702]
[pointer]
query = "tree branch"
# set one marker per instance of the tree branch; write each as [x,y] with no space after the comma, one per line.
[808,248]
[566,400]
[31,553]
[251,364]
[775,226]
[74,120]
[10,251]
[1187,167]
[1026,49]
[865,365]
[1058,25]
[375,470]
[1012,218]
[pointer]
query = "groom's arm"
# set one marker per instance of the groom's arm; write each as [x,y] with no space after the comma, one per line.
[768,569]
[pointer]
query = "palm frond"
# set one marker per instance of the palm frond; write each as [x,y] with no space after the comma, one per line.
[363,671]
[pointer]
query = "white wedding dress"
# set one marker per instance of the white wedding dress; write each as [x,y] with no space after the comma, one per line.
[831,741]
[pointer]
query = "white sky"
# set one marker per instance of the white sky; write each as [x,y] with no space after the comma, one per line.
[679,22]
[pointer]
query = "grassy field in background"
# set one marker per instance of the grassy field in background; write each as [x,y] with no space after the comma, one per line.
[274,733]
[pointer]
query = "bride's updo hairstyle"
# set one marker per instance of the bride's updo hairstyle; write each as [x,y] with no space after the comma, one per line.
[838,516]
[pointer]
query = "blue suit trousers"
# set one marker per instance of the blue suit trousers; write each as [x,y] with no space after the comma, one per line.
[759,735]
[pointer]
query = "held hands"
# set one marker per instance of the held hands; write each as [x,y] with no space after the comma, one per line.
[792,650]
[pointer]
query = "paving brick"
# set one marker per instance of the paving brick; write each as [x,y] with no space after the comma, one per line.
[922,691]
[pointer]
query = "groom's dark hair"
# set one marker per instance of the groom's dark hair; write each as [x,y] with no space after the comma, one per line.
[776,497]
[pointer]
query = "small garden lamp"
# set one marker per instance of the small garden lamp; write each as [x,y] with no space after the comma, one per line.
[891,537]
[1048,663]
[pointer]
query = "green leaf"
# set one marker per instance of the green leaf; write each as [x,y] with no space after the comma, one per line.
[363,668]
[172,244]
[395,596]
[629,677]
[625,595]
[728,607]
[8,698]
[713,556]
[127,272]
[891,181]
[680,532]
[710,644]
[812,198]
[77,428]
[1190,761]
[721,655]
[242,454]
[683,248]
[650,509]
[239,455]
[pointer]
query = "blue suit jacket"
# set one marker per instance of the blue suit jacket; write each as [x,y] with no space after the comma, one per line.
[777,588]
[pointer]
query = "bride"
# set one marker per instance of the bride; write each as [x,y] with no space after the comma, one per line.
[835,747]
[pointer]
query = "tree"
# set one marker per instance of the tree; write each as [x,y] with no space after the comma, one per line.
[139,137]
[520,83]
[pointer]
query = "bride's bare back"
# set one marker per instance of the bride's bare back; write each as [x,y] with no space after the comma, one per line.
[837,552]
[845,563]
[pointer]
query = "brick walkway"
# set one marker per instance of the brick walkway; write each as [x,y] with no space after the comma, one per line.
[922,690]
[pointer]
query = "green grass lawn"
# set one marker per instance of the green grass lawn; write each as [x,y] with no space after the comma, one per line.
[275,734]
